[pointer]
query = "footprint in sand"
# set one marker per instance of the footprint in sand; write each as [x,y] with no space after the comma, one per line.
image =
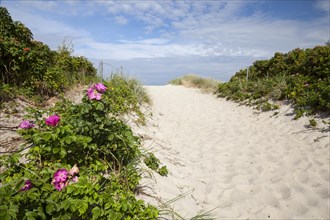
[323,192]
[324,174]
[301,176]
[284,191]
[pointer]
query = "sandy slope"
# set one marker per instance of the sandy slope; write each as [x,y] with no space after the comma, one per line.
[249,165]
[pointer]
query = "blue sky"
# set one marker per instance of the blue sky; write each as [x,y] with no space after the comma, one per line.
[156,41]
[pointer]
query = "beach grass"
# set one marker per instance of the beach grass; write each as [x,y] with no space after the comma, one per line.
[195,81]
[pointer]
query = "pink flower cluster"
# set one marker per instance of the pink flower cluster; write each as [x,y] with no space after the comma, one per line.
[27,186]
[52,120]
[62,177]
[26,125]
[96,91]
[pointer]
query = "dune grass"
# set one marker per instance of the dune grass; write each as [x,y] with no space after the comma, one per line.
[195,81]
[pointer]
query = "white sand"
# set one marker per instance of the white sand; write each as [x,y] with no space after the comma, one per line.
[249,165]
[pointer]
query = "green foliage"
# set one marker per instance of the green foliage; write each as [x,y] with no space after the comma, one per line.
[127,95]
[153,163]
[302,76]
[192,80]
[90,136]
[163,171]
[312,123]
[26,63]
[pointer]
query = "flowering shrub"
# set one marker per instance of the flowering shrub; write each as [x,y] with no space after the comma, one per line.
[51,186]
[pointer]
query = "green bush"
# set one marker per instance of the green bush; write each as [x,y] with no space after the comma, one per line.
[85,136]
[302,76]
[26,63]
[126,97]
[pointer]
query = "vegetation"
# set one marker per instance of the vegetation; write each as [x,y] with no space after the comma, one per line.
[301,75]
[82,159]
[153,163]
[191,80]
[312,123]
[28,67]
[127,90]
[81,164]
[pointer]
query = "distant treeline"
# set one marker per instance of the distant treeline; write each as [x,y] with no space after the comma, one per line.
[301,75]
[31,66]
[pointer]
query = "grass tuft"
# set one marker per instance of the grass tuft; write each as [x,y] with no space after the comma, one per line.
[195,81]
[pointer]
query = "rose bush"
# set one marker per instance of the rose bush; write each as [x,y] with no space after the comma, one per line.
[82,165]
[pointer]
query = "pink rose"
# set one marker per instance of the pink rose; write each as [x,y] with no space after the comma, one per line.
[60,179]
[26,125]
[93,94]
[27,186]
[60,175]
[74,170]
[75,179]
[100,87]
[59,185]
[53,120]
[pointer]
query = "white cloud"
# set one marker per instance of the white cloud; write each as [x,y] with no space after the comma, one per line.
[323,5]
[121,20]
[41,5]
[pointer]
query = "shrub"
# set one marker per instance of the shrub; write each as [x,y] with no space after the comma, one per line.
[81,165]
[26,63]
[302,76]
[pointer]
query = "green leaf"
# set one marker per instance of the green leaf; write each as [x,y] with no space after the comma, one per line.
[68,140]
[70,189]
[111,137]
[46,135]
[42,215]
[50,208]
[107,205]
[74,205]
[96,212]
[56,150]
[83,207]
[99,106]
[3,208]
[33,195]
[63,153]
[66,205]
[54,136]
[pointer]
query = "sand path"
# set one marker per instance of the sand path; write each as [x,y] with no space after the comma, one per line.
[249,165]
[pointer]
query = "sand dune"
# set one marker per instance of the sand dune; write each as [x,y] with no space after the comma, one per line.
[248,165]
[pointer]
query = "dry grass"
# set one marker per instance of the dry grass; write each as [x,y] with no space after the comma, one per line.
[195,81]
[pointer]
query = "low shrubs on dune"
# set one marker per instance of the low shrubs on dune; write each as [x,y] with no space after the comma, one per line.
[31,69]
[301,76]
[81,163]
[128,95]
